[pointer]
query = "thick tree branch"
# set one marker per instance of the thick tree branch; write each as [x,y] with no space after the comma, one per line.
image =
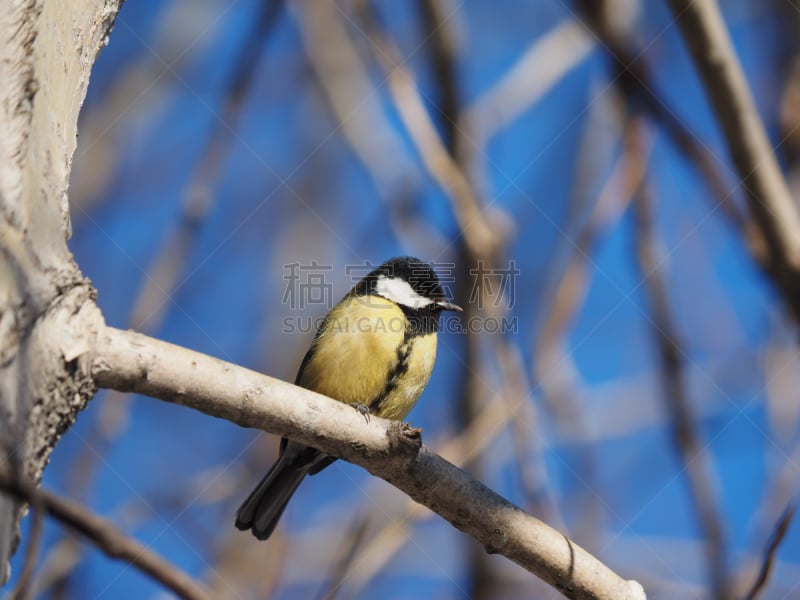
[105,536]
[128,361]
[769,200]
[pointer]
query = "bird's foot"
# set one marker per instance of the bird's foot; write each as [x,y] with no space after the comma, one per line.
[362,409]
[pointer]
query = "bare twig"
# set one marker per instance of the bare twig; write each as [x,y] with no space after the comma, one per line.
[150,306]
[627,175]
[443,53]
[22,590]
[105,536]
[779,532]
[631,77]
[543,64]
[436,28]
[133,362]
[693,455]
[355,104]
[551,364]
[479,236]
[346,555]
[781,492]
[770,203]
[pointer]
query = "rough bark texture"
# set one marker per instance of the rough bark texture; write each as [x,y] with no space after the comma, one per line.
[47,311]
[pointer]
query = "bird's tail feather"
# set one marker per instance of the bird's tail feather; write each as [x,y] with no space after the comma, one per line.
[264,506]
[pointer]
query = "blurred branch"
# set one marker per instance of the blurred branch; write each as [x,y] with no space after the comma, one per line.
[355,103]
[160,282]
[632,78]
[547,60]
[243,568]
[129,361]
[65,555]
[692,453]
[480,237]
[61,559]
[778,534]
[351,96]
[780,495]
[771,206]
[137,94]
[347,553]
[613,201]
[552,367]
[105,536]
[438,32]
[22,591]
[209,486]
[436,29]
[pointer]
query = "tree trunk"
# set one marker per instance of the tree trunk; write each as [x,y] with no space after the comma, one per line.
[47,309]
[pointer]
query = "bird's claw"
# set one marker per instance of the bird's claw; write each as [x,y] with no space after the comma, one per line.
[362,409]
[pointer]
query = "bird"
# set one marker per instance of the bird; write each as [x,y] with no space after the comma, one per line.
[375,351]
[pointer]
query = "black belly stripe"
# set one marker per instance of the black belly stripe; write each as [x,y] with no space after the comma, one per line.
[417,323]
[395,374]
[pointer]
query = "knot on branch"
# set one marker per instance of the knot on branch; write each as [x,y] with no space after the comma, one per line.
[405,441]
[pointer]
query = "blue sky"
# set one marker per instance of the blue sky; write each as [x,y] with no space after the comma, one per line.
[290,188]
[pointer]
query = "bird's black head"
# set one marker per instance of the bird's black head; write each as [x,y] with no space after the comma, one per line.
[408,282]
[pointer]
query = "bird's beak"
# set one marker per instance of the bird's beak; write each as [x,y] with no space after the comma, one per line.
[445,305]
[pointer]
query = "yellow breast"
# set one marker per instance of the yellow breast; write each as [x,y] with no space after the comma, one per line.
[407,383]
[363,356]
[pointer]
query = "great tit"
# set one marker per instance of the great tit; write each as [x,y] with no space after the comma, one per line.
[374,350]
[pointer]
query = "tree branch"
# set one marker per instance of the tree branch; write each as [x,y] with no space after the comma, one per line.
[779,532]
[692,452]
[481,238]
[105,536]
[133,362]
[768,196]
[22,590]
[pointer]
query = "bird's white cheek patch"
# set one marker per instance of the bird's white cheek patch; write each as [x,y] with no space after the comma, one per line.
[400,291]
